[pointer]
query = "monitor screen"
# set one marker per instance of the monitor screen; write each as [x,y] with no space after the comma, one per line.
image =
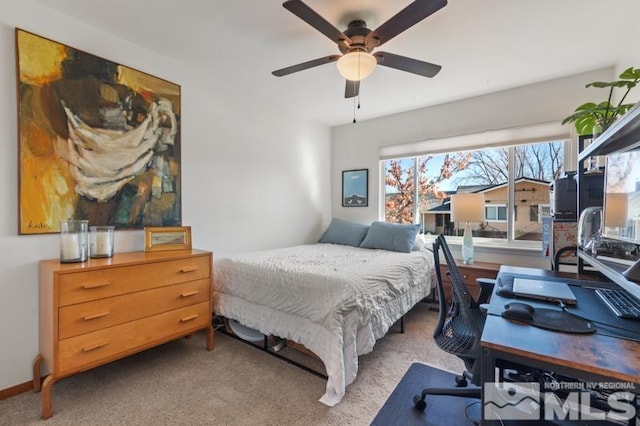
[622,197]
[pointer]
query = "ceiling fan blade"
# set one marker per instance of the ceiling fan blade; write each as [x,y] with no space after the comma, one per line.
[311,17]
[403,63]
[351,89]
[305,65]
[406,18]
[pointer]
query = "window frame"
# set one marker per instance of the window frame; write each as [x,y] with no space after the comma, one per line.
[510,241]
[497,206]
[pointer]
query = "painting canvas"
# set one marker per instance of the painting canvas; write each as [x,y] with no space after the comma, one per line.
[355,188]
[97,141]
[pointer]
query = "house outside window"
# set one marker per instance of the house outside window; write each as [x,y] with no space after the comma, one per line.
[519,173]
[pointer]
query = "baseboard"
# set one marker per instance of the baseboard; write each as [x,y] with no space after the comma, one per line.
[16,390]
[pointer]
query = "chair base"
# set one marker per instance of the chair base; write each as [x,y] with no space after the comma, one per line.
[420,403]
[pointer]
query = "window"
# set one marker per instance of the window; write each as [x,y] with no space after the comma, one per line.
[512,178]
[544,210]
[495,213]
[533,213]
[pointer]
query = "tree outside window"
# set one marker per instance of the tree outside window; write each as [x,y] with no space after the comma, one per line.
[436,177]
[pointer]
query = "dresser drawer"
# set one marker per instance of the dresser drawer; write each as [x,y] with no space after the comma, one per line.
[87,350]
[90,285]
[90,316]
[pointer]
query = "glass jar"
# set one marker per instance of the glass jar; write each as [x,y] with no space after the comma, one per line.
[74,239]
[101,241]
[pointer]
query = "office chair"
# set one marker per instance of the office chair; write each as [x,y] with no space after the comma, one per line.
[557,257]
[459,327]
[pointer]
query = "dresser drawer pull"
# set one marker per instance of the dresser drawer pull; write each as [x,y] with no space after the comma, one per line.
[189,293]
[189,318]
[94,347]
[96,316]
[96,285]
[189,269]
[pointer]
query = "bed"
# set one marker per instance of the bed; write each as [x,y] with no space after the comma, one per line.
[334,299]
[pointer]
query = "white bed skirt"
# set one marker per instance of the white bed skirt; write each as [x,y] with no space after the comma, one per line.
[338,339]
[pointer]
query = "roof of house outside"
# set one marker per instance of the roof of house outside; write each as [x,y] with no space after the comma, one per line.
[444,204]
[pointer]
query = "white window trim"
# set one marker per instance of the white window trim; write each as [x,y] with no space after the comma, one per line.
[530,134]
[496,206]
[534,133]
[494,245]
[540,212]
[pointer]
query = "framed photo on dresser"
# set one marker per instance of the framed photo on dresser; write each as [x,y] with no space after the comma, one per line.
[167,238]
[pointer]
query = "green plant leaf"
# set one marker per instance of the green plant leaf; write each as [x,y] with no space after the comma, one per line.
[630,74]
[603,84]
[587,106]
[584,124]
[587,115]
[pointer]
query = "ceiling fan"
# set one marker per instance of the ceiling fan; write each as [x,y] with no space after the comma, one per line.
[357,42]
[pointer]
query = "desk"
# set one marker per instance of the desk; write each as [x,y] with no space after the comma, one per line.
[592,357]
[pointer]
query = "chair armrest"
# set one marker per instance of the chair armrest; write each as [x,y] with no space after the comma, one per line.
[486,288]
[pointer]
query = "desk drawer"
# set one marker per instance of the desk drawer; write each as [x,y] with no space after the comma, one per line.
[85,351]
[90,316]
[90,285]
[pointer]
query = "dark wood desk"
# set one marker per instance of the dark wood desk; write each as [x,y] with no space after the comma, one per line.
[592,357]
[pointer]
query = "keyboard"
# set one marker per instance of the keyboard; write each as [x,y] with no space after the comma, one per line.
[620,302]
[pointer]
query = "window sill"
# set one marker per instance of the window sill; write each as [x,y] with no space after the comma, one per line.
[492,246]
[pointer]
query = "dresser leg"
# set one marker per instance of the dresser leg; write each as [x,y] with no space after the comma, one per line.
[37,366]
[210,341]
[46,396]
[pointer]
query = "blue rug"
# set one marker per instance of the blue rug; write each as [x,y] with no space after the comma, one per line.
[441,410]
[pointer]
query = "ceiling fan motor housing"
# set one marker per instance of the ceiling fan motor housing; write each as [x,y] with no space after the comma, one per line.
[357,31]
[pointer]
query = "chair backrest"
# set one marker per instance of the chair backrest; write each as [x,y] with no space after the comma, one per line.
[459,326]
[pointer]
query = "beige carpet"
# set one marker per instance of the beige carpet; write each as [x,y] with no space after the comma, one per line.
[180,383]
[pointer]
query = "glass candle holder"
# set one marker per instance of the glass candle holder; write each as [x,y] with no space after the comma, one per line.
[101,241]
[74,240]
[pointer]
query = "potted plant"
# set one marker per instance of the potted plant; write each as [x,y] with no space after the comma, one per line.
[591,118]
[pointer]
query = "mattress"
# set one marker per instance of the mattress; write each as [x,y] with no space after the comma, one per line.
[335,300]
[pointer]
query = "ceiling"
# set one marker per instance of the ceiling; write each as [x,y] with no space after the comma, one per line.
[483,46]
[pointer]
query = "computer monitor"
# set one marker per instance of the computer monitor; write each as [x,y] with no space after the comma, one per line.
[622,197]
[621,216]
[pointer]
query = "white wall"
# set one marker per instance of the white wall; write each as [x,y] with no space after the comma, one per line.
[630,58]
[252,178]
[357,145]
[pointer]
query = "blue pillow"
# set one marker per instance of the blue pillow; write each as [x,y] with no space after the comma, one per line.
[391,236]
[344,232]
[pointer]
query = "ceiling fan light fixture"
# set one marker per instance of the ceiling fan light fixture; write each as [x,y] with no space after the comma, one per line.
[356,66]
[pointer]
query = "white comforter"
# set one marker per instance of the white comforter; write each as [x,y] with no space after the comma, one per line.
[335,300]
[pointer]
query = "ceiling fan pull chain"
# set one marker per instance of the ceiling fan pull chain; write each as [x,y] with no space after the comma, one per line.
[354,110]
[354,99]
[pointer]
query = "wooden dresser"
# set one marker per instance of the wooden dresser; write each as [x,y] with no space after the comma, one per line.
[469,273]
[97,311]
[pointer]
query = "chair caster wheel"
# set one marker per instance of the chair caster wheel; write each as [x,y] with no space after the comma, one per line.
[461,382]
[419,403]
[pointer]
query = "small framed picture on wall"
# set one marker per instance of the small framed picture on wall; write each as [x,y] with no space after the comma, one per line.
[355,188]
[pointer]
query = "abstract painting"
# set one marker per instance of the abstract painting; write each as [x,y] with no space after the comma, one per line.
[97,141]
